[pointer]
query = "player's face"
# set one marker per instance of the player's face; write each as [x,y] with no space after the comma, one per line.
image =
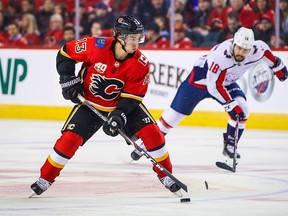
[132,42]
[240,53]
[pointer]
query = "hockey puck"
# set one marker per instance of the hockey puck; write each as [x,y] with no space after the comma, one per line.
[206,185]
[183,200]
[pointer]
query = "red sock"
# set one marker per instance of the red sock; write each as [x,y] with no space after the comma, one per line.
[63,150]
[154,142]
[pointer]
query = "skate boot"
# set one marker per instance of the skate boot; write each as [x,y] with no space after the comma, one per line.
[228,149]
[40,186]
[169,184]
[136,155]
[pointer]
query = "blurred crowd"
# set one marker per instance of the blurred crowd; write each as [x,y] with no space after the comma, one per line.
[197,23]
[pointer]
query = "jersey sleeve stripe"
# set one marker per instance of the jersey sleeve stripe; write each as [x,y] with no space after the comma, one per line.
[126,95]
[64,53]
[220,87]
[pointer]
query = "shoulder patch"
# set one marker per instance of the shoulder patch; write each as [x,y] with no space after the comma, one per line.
[255,49]
[226,54]
[100,42]
[143,60]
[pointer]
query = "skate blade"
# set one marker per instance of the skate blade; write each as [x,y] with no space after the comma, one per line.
[178,193]
[32,194]
[130,162]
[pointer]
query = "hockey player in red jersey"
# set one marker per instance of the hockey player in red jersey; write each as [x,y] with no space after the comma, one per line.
[114,78]
[214,76]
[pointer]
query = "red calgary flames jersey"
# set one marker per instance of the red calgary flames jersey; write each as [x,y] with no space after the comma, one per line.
[106,79]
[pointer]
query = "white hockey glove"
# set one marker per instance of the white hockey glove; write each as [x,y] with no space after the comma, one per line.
[234,110]
[280,70]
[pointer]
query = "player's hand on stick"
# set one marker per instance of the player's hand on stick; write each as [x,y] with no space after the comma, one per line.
[116,121]
[280,70]
[71,87]
[234,110]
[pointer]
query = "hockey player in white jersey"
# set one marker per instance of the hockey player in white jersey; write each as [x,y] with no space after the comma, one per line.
[214,76]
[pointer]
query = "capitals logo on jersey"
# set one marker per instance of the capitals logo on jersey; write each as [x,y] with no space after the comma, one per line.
[106,88]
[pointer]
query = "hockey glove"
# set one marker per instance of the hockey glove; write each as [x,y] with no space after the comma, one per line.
[116,121]
[280,70]
[71,87]
[234,110]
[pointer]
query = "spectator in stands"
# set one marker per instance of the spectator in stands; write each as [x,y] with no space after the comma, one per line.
[135,6]
[283,5]
[70,4]
[216,22]
[3,33]
[201,16]
[181,41]
[264,29]
[282,44]
[84,28]
[246,14]
[233,24]
[179,7]
[27,6]
[61,9]
[13,10]
[163,24]
[96,29]
[152,8]
[101,14]
[68,35]
[188,12]
[3,21]
[15,38]
[43,17]
[29,29]
[218,17]
[153,39]
[55,33]
[119,7]
[179,22]
[261,8]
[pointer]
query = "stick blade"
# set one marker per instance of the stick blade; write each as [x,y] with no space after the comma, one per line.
[225,166]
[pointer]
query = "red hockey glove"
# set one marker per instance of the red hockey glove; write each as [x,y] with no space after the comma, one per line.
[234,110]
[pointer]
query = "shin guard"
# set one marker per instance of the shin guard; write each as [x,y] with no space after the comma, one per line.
[154,142]
[63,150]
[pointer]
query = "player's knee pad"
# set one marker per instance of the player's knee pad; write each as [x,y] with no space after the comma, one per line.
[68,144]
[151,136]
[169,119]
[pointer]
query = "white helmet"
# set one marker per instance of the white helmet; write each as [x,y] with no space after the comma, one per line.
[244,38]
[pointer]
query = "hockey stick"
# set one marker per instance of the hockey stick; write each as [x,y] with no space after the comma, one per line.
[147,155]
[224,165]
[235,144]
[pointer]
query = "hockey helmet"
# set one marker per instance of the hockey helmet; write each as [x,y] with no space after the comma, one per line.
[244,38]
[125,25]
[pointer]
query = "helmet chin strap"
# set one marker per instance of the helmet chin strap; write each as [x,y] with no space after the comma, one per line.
[122,46]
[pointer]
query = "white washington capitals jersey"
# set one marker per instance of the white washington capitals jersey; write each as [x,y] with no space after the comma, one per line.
[218,68]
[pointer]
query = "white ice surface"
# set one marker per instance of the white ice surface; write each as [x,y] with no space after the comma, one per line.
[99,180]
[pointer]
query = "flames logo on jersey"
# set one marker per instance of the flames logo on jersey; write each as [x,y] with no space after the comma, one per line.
[106,88]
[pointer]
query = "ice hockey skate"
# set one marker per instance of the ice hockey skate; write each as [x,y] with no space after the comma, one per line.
[171,185]
[230,162]
[39,187]
[228,149]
